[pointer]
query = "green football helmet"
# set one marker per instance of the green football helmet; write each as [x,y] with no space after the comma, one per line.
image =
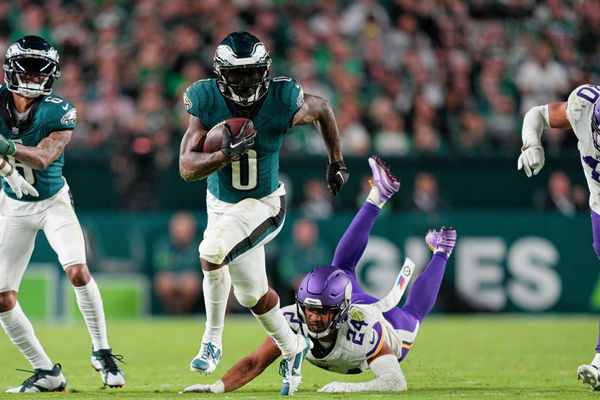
[242,64]
[31,67]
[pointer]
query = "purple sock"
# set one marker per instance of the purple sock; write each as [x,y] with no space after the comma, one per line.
[352,245]
[421,297]
[424,291]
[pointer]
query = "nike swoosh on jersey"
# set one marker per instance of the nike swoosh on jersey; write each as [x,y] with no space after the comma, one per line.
[65,107]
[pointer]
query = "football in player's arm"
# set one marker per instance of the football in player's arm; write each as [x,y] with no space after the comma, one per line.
[194,165]
[245,199]
[581,112]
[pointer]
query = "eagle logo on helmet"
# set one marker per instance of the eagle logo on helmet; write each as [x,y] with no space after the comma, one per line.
[31,66]
[242,64]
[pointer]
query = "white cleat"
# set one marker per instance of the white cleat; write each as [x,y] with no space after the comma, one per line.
[207,359]
[290,368]
[42,380]
[589,375]
[103,361]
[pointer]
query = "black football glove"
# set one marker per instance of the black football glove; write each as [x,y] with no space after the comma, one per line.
[337,175]
[236,145]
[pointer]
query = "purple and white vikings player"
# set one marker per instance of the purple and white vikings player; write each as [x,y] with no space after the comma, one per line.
[349,331]
[581,112]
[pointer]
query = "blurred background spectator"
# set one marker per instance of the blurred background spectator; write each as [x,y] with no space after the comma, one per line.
[563,196]
[425,196]
[177,280]
[405,77]
[317,200]
[430,85]
[297,257]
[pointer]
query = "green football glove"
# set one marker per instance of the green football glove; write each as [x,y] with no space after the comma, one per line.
[7,147]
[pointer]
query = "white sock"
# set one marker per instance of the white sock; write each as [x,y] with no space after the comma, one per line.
[216,286]
[277,327]
[374,197]
[20,331]
[90,305]
[596,360]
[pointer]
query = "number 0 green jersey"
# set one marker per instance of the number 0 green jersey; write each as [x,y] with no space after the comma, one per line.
[47,114]
[254,174]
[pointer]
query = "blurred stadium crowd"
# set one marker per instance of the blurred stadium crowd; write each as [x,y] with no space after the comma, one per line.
[405,77]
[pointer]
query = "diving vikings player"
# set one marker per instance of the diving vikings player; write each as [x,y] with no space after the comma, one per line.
[349,329]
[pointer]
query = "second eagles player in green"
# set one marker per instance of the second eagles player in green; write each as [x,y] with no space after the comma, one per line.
[245,199]
[35,127]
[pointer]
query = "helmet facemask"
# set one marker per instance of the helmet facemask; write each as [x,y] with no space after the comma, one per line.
[326,289]
[31,71]
[243,85]
[337,316]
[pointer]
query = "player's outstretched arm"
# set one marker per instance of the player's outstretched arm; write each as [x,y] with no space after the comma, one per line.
[46,151]
[243,371]
[553,115]
[385,366]
[318,111]
[193,163]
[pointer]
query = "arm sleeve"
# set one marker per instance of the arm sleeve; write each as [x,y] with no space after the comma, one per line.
[65,117]
[389,378]
[198,98]
[377,340]
[534,122]
[581,98]
[293,96]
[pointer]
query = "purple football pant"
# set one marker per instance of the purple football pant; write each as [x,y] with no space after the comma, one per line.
[596,234]
[424,291]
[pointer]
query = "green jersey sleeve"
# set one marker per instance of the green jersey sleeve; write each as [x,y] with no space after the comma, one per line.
[292,96]
[61,114]
[198,98]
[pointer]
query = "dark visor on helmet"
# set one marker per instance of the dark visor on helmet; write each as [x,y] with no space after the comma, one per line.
[32,65]
[244,76]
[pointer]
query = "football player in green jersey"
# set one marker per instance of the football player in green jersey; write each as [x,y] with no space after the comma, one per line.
[35,127]
[245,200]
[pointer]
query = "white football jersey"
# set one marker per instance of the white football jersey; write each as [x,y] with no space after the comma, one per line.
[361,337]
[580,111]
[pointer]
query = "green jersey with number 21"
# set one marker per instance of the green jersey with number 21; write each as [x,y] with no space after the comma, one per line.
[254,174]
[50,114]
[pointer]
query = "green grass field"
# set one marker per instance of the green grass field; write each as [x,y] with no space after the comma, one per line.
[481,357]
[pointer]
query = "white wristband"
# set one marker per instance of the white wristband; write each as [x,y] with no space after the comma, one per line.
[534,122]
[6,169]
[218,387]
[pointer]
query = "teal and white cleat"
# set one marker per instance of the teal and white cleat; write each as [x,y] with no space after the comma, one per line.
[207,359]
[290,368]
[103,361]
[42,380]
[589,374]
